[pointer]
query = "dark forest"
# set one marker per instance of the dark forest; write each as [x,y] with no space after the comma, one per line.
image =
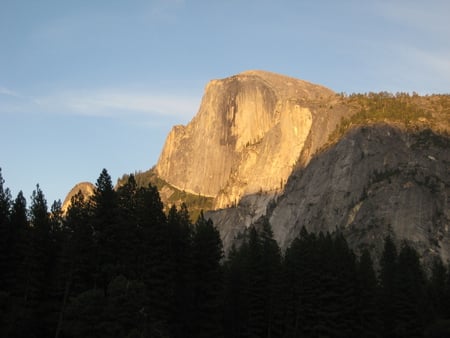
[117,265]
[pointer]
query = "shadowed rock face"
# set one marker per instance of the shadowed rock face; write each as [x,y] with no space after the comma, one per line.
[247,136]
[377,180]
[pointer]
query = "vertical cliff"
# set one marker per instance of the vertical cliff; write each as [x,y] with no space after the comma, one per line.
[247,136]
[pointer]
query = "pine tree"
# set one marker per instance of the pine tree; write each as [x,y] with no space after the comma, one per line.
[77,258]
[411,308]
[6,239]
[80,251]
[255,288]
[128,229]
[41,264]
[273,282]
[207,254]
[388,277]
[57,279]
[337,288]
[106,232]
[20,251]
[7,245]
[180,251]
[302,268]
[235,292]
[347,286]
[126,196]
[104,195]
[369,322]
[154,263]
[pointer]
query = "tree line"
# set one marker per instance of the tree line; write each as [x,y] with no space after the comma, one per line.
[116,265]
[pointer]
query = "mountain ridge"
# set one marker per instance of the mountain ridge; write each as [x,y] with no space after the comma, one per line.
[258,134]
[249,128]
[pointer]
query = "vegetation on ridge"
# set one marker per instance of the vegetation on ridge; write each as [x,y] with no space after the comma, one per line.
[432,111]
[169,194]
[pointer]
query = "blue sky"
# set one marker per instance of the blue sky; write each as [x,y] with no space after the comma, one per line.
[86,85]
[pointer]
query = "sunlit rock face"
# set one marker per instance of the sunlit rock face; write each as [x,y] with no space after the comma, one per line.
[86,188]
[247,136]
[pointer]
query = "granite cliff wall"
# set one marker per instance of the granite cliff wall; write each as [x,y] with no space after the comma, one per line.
[247,136]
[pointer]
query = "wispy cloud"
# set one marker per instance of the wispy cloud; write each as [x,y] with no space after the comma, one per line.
[116,102]
[8,92]
[106,103]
